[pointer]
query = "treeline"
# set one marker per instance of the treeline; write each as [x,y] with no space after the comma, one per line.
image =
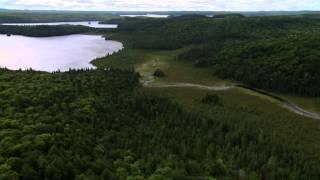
[95,124]
[259,51]
[46,31]
[51,16]
[290,64]
[135,23]
[181,31]
[228,15]
[287,64]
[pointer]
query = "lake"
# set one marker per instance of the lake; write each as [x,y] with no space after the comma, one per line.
[53,53]
[94,24]
[147,15]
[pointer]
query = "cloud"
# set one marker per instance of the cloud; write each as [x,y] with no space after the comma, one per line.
[152,5]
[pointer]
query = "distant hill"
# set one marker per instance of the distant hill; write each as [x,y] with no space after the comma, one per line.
[174,13]
[188,16]
[278,13]
[228,15]
[4,10]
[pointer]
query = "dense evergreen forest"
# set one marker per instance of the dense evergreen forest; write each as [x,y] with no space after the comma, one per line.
[263,52]
[46,31]
[50,16]
[96,124]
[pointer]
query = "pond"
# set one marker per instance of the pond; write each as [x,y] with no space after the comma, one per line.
[54,53]
[94,24]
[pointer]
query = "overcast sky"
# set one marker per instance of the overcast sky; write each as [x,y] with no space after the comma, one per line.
[159,5]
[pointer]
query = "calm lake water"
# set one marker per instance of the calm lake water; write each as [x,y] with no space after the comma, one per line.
[94,24]
[53,53]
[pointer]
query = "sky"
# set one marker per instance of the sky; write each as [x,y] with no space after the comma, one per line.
[163,5]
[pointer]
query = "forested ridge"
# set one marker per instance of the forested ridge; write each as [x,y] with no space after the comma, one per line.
[263,52]
[51,16]
[47,31]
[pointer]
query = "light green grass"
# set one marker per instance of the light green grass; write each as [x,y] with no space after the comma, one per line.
[146,62]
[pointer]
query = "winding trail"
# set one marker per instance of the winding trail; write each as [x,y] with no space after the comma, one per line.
[283,102]
[189,85]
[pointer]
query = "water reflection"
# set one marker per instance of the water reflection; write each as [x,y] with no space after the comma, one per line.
[53,53]
[94,24]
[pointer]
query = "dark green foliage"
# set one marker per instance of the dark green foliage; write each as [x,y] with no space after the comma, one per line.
[173,33]
[51,16]
[286,64]
[45,31]
[159,73]
[273,53]
[188,17]
[289,64]
[96,125]
[134,24]
[228,15]
[211,99]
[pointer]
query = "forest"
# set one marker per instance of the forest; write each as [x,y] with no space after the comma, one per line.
[29,16]
[46,31]
[262,52]
[98,124]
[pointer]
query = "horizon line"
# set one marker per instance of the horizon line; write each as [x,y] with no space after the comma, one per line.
[9,9]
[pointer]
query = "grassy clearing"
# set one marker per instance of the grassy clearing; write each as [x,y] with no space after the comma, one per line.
[182,72]
[147,62]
